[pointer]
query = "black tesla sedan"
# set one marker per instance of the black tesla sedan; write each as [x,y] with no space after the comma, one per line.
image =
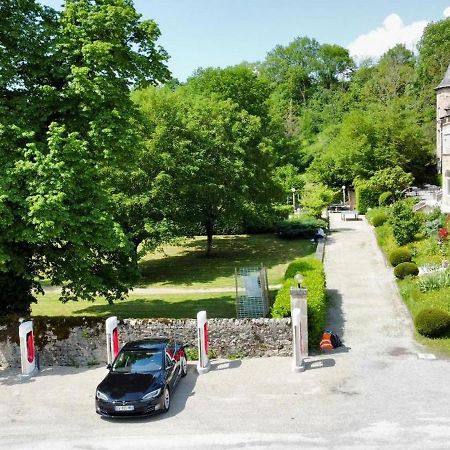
[142,378]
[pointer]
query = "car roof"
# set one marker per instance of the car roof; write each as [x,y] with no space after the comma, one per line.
[145,344]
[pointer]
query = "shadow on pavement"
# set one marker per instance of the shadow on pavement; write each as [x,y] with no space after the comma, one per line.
[319,363]
[335,316]
[11,376]
[223,365]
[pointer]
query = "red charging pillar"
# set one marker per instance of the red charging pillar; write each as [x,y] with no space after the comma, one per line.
[112,338]
[203,364]
[27,349]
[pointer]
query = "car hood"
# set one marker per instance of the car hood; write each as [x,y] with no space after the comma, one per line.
[129,386]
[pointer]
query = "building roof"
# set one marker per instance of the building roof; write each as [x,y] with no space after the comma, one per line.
[446,81]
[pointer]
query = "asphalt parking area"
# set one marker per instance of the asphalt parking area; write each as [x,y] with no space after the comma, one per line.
[255,403]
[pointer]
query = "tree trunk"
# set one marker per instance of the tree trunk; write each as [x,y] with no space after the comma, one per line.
[209,236]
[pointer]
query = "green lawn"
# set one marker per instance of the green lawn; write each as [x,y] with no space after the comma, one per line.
[187,266]
[139,306]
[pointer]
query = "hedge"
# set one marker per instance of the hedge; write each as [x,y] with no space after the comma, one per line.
[380,219]
[405,269]
[303,227]
[366,197]
[432,322]
[314,281]
[400,255]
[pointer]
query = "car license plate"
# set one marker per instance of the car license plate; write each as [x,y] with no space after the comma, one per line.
[124,408]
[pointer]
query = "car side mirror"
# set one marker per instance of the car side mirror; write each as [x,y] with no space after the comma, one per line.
[108,366]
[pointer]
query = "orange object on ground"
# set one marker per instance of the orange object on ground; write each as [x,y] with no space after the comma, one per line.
[325,343]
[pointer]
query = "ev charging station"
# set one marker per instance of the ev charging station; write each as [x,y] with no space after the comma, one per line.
[27,349]
[299,317]
[112,338]
[203,364]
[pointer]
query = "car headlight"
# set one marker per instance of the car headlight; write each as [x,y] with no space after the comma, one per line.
[152,394]
[101,396]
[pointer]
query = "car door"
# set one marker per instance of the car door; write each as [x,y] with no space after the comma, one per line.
[170,370]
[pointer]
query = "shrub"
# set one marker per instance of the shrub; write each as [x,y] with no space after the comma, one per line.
[432,322]
[303,227]
[379,219]
[434,281]
[264,220]
[399,255]
[366,197]
[405,223]
[314,281]
[386,198]
[405,269]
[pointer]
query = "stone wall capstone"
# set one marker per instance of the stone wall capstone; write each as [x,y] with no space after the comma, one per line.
[85,344]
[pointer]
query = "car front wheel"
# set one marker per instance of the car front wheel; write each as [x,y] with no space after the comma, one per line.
[166,399]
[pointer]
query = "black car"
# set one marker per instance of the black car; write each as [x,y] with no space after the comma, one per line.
[142,378]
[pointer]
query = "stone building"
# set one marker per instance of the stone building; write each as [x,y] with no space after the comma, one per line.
[443,137]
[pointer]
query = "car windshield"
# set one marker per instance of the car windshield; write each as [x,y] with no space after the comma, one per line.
[138,361]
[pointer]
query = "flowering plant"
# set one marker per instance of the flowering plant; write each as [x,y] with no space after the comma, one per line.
[443,233]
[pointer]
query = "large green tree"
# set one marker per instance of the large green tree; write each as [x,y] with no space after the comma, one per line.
[67,121]
[214,160]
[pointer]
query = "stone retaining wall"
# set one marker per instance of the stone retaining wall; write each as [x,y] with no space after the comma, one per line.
[60,343]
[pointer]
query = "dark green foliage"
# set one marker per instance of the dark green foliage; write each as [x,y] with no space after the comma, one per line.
[314,281]
[67,124]
[366,197]
[264,220]
[405,222]
[379,219]
[303,227]
[400,255]
[386,198]
[432,322]
[406,269]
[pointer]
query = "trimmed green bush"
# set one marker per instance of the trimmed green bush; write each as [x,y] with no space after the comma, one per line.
[405,222]
[314,280]
[380,219]
[386,198]
[405,269]
[400,255]
[366,197]
[303,227]
[432,322]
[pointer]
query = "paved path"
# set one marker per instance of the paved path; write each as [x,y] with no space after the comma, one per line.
[375,393]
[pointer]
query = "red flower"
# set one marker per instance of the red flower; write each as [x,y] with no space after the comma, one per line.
[443,233]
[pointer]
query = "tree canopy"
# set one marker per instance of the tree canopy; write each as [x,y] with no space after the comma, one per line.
[66,119]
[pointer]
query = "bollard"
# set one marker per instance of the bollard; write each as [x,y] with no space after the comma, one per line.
[299,315]
[203,364]
[297,342]
[27,349]
[298,300]
[112,338]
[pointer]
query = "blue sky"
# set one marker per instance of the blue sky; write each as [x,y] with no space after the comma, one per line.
[202,33]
